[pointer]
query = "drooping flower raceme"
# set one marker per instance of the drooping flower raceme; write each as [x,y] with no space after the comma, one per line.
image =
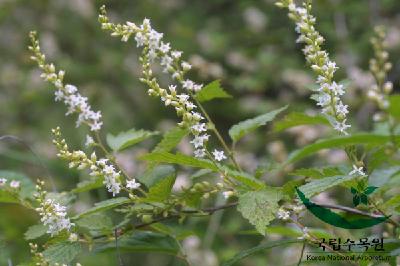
[69,94]
[329,92]
[53,214]
[379,67]
[156,50]
[98,167]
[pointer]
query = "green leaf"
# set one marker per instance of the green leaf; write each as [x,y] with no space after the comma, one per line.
[8,196]
[200,173]
[171,139]
[129,138]
[243,178]
[144,242]
[381,176]
[394,101]
[88,185]
[162,189]
[26,185]
[181,159]
[62,253]
[370,190]
[337,142]
[35,231]
[297,119]
[364,199]
[260,207]
[95,222]
[164,157]
[248,252]
[212,91]
[103,205]
[356,200]
[154,175]
[308,172]
[319,185]
[239,130]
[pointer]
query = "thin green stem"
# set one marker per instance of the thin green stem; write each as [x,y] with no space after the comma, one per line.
[216,132]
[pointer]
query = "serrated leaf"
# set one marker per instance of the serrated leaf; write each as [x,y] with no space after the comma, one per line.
[337,142]
[260,207]
[154,175]
[146,241]
[103,206]
[212,91]
[171,139]
[35,231]
[161,190]
[27,187]
[248,252]
[319,185]
[239,130]
[297,119]
[129,138]
[62,253]
[95,222]
[88,185]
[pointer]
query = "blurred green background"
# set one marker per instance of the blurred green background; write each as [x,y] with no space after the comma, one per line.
[248,45]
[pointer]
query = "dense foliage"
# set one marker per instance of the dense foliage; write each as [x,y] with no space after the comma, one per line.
[200,156]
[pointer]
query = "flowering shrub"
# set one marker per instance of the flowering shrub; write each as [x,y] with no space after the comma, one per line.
[146,201]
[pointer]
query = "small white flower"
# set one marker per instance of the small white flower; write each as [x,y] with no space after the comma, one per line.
[89,141]
[200,127]
[337,88]
[176,54]
[219,155]
[132,184]
[165,47]
[200,153]
[341,126]
[3,181]
[342,108]
[283,214]
[15,184]
[357,171]
[323,99]
[199,140]
[186,66]
[188,84]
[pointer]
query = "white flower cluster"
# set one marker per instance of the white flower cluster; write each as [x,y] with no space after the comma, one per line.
[69,94]
[53,215]
[329,92]
[13,183]
[155,49]
[98,167]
